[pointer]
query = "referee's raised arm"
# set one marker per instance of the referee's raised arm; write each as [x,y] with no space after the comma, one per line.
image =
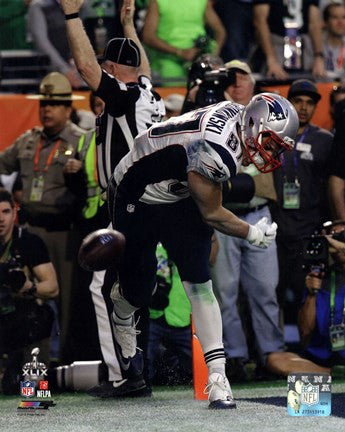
[82,51]
[127,13]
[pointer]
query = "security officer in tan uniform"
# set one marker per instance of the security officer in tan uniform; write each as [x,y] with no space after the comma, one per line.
[53,182]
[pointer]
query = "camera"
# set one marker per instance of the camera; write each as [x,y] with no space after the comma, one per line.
[78,376]
[212,87]
[202,42]
[12,279]
[340,236]
[315,253]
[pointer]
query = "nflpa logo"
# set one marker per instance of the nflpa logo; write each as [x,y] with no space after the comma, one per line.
[43,385]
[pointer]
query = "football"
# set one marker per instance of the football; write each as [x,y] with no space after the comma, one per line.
[101,249]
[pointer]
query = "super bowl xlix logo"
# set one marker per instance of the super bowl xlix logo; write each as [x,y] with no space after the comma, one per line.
[35,382]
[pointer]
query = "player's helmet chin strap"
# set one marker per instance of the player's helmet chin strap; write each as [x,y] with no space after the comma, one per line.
[265,162]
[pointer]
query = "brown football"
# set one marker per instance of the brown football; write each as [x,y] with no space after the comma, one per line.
[101,249]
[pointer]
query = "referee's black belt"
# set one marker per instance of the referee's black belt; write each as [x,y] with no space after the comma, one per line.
[245,210]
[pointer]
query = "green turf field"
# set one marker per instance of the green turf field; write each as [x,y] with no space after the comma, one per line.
[261,407]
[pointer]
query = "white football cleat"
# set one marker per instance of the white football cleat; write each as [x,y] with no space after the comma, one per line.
[219,392]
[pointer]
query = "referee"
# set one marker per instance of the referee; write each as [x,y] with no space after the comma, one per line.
[123,81]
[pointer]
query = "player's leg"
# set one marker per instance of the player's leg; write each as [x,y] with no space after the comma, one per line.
[188,242]
[136,278]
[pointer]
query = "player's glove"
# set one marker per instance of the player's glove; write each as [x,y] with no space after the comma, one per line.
[262,233]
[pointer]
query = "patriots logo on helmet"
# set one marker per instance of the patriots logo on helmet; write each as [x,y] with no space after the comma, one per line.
[275,110]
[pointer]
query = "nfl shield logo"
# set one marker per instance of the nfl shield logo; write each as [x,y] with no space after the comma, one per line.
[27,388]
[310,394]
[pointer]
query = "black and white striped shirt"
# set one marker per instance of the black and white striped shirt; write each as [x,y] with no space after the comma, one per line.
[129,109]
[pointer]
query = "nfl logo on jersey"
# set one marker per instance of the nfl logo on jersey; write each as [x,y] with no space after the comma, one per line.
[27,388]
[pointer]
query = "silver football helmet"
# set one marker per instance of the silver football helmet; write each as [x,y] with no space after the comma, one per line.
[268,115]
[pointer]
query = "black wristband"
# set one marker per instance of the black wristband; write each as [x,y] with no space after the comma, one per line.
[32,291]
[318,54]
[72,16]
[312,292]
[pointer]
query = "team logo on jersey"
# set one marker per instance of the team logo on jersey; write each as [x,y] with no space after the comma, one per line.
[215,172]
[275,110]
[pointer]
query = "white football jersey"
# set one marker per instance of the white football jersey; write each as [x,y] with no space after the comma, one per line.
[206,140]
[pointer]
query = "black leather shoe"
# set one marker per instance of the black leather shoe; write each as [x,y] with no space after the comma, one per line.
[125,388]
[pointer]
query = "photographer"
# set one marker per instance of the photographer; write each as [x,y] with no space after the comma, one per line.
[206,83]
[26,278]
[321,318]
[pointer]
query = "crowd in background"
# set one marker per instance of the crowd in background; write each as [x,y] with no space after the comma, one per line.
[268,35]
[260,291]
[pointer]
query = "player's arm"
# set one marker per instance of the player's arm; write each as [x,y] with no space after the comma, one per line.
[82,51]
[208,197]
[47,285]
[127,13]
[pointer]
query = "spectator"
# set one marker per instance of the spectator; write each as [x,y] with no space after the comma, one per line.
[83,340]
[301,189]
[26,276]
[171,30]
[241,264]
[237,18]
[322,313]
[170,336]
[334,38]
[95,215]
[131,106]
[173,105]
[321,316]
[336,183]
[243,87]
[46,25]
[272,19]
[335,109]
[201,91]
[53,187]
[13,34]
